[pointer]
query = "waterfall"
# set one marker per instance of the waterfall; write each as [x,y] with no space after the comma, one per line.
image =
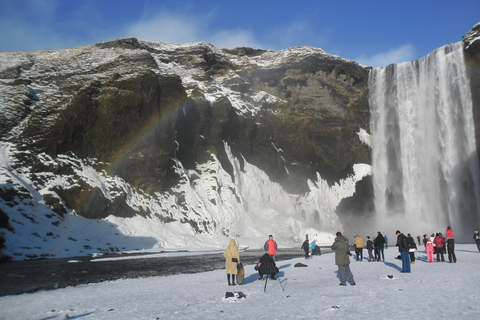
[424,160]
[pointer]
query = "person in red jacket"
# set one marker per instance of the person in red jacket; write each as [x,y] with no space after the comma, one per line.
[438,243]
[271,247]
[450,244]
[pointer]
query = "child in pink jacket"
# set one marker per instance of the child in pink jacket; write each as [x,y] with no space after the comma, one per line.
[429,250]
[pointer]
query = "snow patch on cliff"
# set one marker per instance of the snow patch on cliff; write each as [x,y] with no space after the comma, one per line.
[203,211]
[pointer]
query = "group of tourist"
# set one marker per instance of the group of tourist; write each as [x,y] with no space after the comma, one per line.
[311,249]
[266,265]
[437,244]
[375,247]
[440,245]
[406,246]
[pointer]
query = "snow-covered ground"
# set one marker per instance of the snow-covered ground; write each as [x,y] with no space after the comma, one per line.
[431,291]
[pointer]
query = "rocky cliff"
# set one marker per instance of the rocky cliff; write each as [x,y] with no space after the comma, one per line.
[471,45]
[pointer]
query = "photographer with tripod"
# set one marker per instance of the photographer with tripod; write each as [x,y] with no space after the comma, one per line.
[266,266]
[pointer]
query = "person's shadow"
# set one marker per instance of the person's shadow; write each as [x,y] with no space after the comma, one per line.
[392,265]
[468,251]
[340,279]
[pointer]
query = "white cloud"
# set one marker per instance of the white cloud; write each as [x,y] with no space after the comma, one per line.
[167,26]
[178,27]
[27,25]
[397,55]
[291,34]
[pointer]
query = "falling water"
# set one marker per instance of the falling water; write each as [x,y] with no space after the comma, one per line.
[425,164]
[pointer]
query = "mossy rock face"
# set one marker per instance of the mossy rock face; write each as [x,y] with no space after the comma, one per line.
[133,107]
[472,58]
[324,104]
[102,117]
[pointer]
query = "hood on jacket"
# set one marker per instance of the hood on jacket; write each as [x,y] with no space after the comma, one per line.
[233,243]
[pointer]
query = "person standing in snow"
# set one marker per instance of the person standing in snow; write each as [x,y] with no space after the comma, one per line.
[386,242]
[418,239]
[476,237]
[438,242]
[370,248]
[425,240]
[450,244]
[317,250]
[271,247]
[379,242]
[403,247]
[232,259]
[312,247]
[444,249]
[306,247]
[412,247]
[358,248]
[429,250]
[342,259]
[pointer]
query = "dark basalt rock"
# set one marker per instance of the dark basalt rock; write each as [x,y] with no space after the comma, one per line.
[471,45]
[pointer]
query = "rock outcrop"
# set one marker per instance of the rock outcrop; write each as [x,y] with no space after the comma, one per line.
[471,44]
[134,105]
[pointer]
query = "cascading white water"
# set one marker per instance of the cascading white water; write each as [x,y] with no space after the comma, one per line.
[424,160]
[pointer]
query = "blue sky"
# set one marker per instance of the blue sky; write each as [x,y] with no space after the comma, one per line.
[375,33]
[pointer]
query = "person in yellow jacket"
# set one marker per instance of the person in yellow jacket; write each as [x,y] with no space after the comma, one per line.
[232,259]
[358,248]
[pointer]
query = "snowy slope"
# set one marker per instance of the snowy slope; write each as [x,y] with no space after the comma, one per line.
[250,209]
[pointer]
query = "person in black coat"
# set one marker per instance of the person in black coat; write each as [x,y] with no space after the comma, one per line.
[379,243]
[412,247]
[306,248]
[266,266]
[403,248]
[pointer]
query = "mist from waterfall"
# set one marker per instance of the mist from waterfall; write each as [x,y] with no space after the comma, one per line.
[424,159]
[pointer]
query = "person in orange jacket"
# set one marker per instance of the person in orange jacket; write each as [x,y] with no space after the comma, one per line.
[358,248]
[271,247]
[450,244]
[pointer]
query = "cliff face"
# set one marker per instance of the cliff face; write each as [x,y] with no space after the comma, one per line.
[471,45]
[129,107]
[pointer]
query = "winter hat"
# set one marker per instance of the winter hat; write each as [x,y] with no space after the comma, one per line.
[397,232]
[339,234]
